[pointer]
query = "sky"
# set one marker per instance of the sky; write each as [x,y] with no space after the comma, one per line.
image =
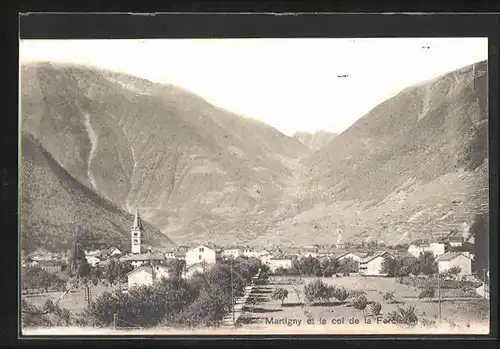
[291,84]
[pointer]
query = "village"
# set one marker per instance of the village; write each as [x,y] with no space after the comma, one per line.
[451,252]
[397,275]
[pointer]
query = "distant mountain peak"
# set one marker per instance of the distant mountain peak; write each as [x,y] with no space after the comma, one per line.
[316,140]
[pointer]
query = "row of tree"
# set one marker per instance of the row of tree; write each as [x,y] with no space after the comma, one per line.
[326,267]
[320,293]
[404,266]
[36,278]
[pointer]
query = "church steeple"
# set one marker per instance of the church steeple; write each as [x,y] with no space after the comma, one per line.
[137,220]
[136,234]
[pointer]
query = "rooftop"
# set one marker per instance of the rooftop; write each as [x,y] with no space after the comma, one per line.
[145,268]
[449,256]
[373,256]
[143,257]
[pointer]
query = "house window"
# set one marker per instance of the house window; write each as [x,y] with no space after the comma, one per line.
[199,256]
[136,241]
[135,234]
[201,249]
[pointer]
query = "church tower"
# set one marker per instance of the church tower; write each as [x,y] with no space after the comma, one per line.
[136,234]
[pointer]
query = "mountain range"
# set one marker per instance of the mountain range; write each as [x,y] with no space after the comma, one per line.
[412,167]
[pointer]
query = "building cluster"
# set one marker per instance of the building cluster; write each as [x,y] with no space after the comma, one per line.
[150,265]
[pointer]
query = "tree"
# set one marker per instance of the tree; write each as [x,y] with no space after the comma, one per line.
[310,266]
[376,308]
[427,263]
[113,272]
[46,280]
[341,293]
[388,297]
[428,291]
[348,265]
[177,267]
[280,294]
[264,275]
[390,266]
[360,303]
[317,290]
[454,271]
[329,266]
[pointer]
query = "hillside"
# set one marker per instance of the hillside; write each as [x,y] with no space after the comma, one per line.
[194,170]
[54,205]
[413,167]
[315,141]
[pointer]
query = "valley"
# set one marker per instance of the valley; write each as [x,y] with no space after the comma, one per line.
[412,168]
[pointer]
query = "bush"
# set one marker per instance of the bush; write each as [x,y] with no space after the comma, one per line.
[389,297]
[347,266]
[280,294]
[428,291]
[469,291]
[403,316]
[317,291]
[356,293]
[340,293]
[144,305]
[376,308]
[360,302]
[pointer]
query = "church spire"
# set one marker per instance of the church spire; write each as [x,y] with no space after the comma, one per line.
[137,220]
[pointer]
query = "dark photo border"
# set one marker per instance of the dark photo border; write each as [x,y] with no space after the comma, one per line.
[234,25]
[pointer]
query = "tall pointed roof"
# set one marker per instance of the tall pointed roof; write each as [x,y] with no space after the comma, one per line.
[137,220]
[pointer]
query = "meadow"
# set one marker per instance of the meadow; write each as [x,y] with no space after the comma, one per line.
[466,314]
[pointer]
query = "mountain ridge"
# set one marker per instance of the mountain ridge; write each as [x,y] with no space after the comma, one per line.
[57,204]
[201,173]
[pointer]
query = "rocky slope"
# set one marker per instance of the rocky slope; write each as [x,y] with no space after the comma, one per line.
[316,140]
[194,170]
[413,167]
[54,205]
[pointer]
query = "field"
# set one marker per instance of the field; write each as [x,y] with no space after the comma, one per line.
[74,301]
[457,313]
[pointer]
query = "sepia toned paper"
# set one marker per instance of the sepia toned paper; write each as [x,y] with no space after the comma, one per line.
[254,187]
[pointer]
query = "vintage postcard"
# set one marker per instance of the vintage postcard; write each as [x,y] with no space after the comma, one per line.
[254,186]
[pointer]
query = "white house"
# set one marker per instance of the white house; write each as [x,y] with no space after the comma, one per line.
[170,255]
[140,276]
[92,253]
[372,265]
[92,260]
[309,254]
[264,257]
[146,275]
[201,254]
[115,251]
[233,253]
[249,253]
[355,256]
[436,248]
[455,259]
[275,263]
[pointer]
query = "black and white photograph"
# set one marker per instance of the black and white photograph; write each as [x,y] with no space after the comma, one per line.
[281,186]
